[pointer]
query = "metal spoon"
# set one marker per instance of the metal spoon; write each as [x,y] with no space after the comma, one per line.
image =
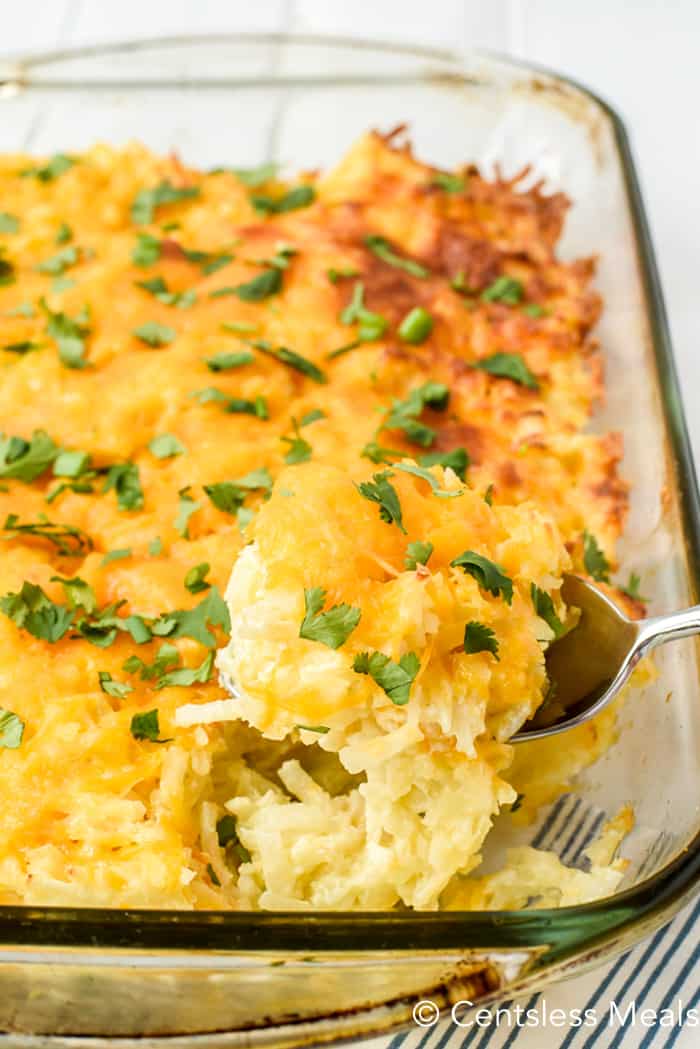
[588,666]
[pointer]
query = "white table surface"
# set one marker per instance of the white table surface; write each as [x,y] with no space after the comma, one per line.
[642,57]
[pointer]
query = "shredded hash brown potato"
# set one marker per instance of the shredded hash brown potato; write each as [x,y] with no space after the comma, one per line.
[356,405]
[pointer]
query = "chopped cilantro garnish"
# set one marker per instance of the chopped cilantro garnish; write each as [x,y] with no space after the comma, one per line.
[227,834]
[187,507]
[155,547]
[381,247]
[425,475]
[69,334]
[631,589]
[395,679]
[11,730]
[299,450]
[22,347]
[254,177]
[147,201]
[157,287]
[26,460]
[417,553]
[544,608]
[331,628]
[154,334]
[298,197]
[235,405]
[57,165]
[195,622]
[508,366]
[320,729]
[267,283]
[376,453]
[239,327]
[403,415]
[291,359]
[338,273]
[479,638]
[333,355]
[70,464]
[504,289]
[183,677]
[68,540]
[457,460]
[448,182]
[167,656]
[489,575]
[229,495]
[165,446]
[147,251]
[25,309]
[8,223]
[224,361]
[594,560]
[116,689]
[533,309]
[125,480]
[195,580]
[213,876]
[145,726]
[380,490]
[371,325]
[116,555]
[64,234]
[60,262]
[32,610]
[7,272]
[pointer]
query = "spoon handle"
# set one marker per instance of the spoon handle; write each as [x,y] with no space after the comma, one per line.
[659,629]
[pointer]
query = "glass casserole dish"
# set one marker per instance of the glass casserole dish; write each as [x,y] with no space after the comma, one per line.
[287,979]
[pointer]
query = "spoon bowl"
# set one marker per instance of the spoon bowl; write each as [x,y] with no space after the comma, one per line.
[589,665]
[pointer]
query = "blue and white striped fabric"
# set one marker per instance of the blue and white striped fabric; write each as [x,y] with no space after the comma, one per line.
[648,999]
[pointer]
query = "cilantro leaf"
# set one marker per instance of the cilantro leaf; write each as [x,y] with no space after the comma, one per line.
[504,289]
[254,177]
[60,262]
[298,197]
[147,201]
[380,490]
[508,366]
[64,234]
[125,480]
[403,415]
[165,446]
[11,730]
[378,454]
[631,589]
[448,182]
[425,475]
[57,165]
[69,334]
[8,223]
[594,560]
[300,450]
[229,495]
[489,575]
[195,622]
[26,460]
[116,689]
[320,729]
[145,726]
[222,362]
[147,251]
[116,555]
[186,676]
[32,610]
[167,656]
[457,460]
[234,405]
[21,347]
[292,360]
[382,248]
[417,553]
[479,638]
[267,283]
[372,325]
[395,679]
[195,578]
[154,334]
[544,608]
[331,628]
[157,287]
[68,540]
[187,507]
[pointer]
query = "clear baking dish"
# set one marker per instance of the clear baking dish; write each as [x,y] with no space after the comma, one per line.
[229,979]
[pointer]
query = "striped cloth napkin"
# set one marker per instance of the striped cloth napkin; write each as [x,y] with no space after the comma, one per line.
[649,998]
